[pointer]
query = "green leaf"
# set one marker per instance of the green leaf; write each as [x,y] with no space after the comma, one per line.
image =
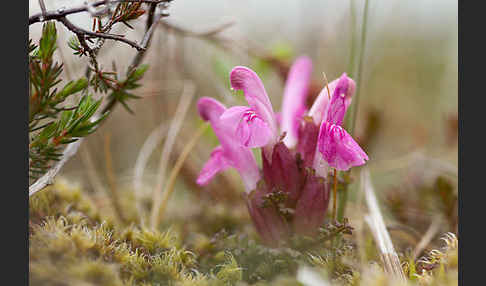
[32,46]
[47,44]
[72,87]
[138,72]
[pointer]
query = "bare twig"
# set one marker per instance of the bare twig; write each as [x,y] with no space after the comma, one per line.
[61,13]
[203,33]
[151,14]
[47,178]
[138,57]
[43,7]
[84,33]
[145,41]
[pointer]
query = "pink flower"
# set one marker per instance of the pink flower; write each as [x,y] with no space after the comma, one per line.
[230,153]
[336,146]
[256,125]
[291,193]
[294,98]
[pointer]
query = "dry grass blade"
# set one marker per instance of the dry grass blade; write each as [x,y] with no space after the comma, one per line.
[428,236]
[375,221]
[111,178]
[186,98]
[152,141]
[177,167]
[89,166]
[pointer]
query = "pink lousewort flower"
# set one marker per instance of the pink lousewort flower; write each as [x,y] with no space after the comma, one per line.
[291,192]
[230,153]
[335,145]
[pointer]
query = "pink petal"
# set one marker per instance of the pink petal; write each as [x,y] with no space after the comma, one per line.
[243,78]
[216,163]
[278,118]
[239,157]
[320,165]
[248,128]
[210,109]
[340,101]
[306,145]
[338,148]
[295,93]
[320,107]
[350,91]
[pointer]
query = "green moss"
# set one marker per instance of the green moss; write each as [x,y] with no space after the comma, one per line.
[65,199]
[230,273]
[76,239]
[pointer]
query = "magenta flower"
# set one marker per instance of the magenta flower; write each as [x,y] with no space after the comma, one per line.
[335,145]
[291,192]
[230,153]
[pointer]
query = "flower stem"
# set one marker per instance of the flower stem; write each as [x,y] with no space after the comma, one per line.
[353,109]
[343,197]
[352,53]
[334,195]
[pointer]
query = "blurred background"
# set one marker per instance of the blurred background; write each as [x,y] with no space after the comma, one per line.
[406,120]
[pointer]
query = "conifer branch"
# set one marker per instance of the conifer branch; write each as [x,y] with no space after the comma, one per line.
[46,147]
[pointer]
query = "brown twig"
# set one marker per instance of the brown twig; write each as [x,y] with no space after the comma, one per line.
[138,57]
[154,20]
[84,33]
[43,7]
[150,18]
[61,13]
[206,33]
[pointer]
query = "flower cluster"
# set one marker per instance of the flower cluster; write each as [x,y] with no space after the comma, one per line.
[291,192]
